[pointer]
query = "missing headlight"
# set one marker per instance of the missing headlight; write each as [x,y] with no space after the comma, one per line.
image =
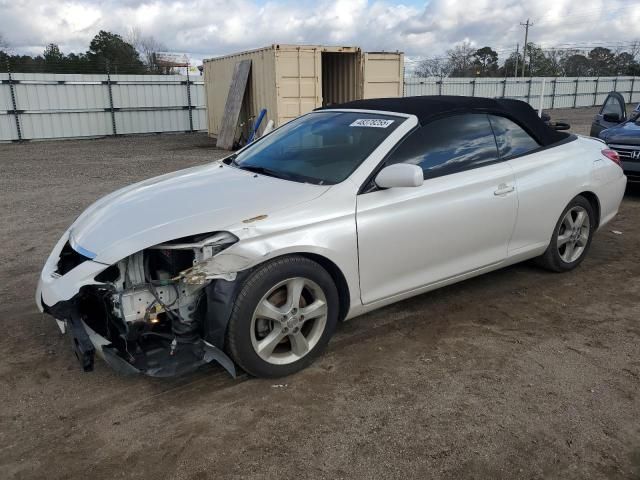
[150,285]
[69,259]
[165,264]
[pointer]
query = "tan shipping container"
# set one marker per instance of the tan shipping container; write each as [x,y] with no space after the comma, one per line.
[290,80]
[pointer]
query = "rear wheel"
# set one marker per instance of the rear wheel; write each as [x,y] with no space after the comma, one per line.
[283,317]
[571,238]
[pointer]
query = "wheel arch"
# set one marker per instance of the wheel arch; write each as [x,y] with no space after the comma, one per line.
[221,295]
[344,296]
[593,199]
[340,261]
[336,273]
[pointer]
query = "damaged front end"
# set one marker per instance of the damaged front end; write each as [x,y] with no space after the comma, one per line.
[154,312]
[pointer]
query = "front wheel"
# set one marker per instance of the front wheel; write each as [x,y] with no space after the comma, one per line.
[571,237]
[283,317]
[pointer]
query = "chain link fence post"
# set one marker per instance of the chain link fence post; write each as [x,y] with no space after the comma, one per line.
[575,92]
[14,102]
[189,102]
[113,113]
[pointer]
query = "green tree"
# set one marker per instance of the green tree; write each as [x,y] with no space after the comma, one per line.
[78,63]
[509,67]
[110,50]
[602,61]
[538,64]
[4,53]
[576,65]
[625,64]
[53,59]
[485,61]
[554,65]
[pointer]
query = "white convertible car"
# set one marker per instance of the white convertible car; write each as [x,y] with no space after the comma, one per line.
[252,261]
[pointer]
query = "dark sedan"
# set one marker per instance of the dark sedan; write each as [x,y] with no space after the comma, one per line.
[621,132]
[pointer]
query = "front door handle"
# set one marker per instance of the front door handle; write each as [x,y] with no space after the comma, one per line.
[503,189]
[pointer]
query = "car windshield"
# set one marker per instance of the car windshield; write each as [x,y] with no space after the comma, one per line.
[322,148]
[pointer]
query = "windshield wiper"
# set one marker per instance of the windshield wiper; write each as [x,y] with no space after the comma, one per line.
[260,170]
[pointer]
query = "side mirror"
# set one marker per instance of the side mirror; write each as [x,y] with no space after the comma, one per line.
[561,126]
[400,175]
[612,117]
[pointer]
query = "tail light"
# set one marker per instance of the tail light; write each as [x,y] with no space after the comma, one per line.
[613,156]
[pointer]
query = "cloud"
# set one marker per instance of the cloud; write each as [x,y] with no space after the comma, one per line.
[208,28]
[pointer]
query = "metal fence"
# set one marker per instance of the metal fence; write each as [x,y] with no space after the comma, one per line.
[559,92]
[47,106]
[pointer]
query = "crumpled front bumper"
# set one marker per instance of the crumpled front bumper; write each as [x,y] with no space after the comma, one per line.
[58,295]
[161,362]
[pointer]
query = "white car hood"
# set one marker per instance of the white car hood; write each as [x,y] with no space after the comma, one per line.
[196,200]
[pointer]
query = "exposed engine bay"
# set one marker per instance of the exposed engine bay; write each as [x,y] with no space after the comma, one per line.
[150,308]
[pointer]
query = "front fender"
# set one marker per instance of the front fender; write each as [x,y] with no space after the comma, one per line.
[334,239]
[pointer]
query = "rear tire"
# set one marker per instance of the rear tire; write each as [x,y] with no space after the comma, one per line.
[571,237]
[283,317]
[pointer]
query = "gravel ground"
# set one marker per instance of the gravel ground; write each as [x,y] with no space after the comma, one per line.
[516,374]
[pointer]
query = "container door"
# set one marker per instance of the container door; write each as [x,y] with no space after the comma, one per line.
[298,74]
[382,75]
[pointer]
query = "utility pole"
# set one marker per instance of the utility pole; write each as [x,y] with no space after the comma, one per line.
[517,54]
[526,26]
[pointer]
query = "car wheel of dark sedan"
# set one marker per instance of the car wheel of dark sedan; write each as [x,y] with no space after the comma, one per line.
[283,317]
[571,238]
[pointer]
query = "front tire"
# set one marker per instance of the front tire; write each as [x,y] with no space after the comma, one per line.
[283,317]
[571,237]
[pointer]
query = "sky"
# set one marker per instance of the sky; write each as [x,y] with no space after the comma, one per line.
[210,28]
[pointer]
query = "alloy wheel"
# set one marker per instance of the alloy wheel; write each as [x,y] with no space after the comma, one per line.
[289,321]
[573,235]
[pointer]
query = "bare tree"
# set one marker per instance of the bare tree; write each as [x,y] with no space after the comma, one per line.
[461,59]
[555,61]
[433,67]
[147,46]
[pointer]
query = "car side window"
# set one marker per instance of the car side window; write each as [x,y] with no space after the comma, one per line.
[448,145]
[612,105]
[512,140]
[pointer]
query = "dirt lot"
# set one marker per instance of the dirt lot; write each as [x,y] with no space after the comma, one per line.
[516,374]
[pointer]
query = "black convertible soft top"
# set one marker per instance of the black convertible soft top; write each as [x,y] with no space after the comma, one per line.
[428,108]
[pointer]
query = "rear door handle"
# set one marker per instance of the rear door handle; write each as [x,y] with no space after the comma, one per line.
[503,189]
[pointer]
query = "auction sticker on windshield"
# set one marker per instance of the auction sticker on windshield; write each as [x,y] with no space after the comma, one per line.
[371,122]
